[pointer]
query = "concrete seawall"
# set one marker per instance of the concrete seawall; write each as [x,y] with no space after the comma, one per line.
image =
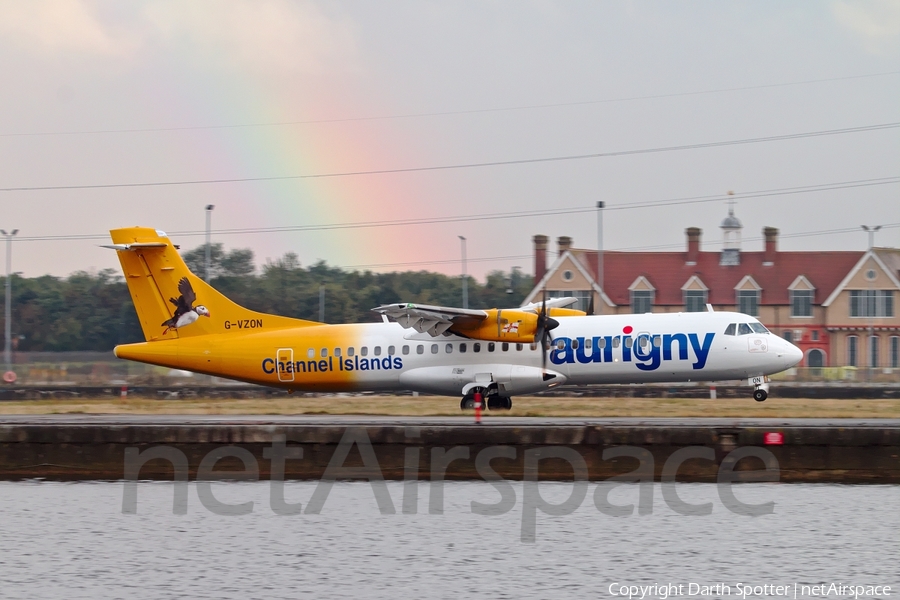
[62,447]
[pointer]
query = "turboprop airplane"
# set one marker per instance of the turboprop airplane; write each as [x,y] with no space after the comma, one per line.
[491,354]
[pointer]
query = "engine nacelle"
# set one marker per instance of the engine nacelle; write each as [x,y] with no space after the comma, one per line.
[502,325]
[565,312]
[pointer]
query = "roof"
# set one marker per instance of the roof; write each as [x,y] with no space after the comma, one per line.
[668,272]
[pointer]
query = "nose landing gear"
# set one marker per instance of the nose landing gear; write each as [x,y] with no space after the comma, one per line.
[760,388]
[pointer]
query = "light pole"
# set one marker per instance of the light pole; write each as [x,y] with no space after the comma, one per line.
[871,231]
[465,279]
[7,348]
[209,209]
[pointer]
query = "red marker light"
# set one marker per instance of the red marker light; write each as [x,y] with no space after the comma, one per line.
[773,438]
[627,329]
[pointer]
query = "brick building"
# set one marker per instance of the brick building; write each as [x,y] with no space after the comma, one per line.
[838,307]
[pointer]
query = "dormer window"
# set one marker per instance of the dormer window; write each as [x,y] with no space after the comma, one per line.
[641,301]
[694,300]
[748,302]
[801,303]
[802,293]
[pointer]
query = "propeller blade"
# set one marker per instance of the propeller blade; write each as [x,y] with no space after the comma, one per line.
[590,309]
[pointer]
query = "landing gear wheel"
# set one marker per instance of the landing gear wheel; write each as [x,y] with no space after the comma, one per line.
[760,395]
[467,403]
[499,403]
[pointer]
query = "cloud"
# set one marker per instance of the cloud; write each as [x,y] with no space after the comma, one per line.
[876,21]
[268,36]
[61,26]
[272,36]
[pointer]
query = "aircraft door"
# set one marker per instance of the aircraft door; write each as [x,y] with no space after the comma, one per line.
[285,358]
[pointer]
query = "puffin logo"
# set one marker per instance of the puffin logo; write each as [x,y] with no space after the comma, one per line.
[646,350]
[185,311]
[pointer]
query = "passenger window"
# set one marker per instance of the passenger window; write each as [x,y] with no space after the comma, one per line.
[364,351]
[392,350]
[434,348]
[324,352]
[476,347]
[601,343]
[491,346]
[730,329]
[743,329]
[420,349]
[616,342]
[462,347]
[533,346]
[519,347]
[337,352]
[351,351]
[575,344]
[588,343]
[377,350]
[449,348]
[504,346]
[657,341]
[629,341]
[405,350]
[311,353]
[644,342]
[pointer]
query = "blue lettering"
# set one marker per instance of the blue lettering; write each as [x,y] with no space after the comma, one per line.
[386,363]
[348,364]
[607,348]
[645,350]
[268,366]
[398,362]
[702,351]
[562,355]
[595,351]
[682,346]
[626,348]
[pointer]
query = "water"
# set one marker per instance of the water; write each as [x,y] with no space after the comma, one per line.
[71,540]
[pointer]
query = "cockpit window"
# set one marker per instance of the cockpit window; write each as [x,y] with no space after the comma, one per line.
[758,328]
[744,329]
[730,329]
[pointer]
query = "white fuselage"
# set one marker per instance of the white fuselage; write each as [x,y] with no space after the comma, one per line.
[621,349]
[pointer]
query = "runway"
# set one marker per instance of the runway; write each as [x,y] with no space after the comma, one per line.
[460,421]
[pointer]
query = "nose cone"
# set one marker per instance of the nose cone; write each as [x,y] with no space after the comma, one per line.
[792,354]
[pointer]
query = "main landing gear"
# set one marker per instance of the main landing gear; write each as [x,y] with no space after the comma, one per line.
[760,395]
[494,400]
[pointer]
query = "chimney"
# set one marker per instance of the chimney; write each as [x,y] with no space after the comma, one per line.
[564,242]
[540,257]
[693,244]
[771,235]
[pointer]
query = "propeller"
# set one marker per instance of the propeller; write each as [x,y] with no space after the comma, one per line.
[590,310]
[545,324]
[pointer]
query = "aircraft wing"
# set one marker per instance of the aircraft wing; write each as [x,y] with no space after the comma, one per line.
[435,320]
[551,303]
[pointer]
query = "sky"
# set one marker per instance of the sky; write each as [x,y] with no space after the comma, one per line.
[494,121]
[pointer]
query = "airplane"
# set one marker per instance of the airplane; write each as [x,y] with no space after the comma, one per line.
[479,354]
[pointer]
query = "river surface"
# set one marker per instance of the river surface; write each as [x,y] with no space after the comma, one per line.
[72,540]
